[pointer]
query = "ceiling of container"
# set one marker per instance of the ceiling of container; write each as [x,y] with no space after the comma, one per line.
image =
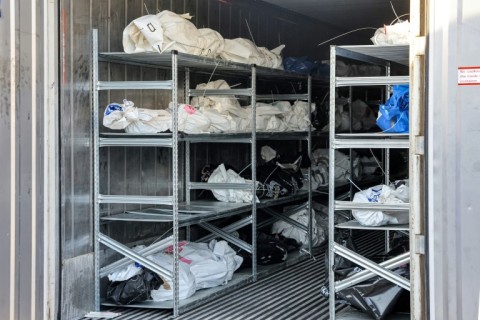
[348,14]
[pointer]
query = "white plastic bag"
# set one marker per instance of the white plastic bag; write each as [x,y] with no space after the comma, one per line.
[298,119]
[190,120]
[223,250]
[290,231]
[381,194]
[395,34]
[187,285]
[208,269]
[320,164]
[136,120]
[226,105]
[126,273]
[221,175]
[211,264]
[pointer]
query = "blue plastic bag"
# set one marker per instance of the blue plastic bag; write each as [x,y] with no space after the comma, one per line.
[393,115]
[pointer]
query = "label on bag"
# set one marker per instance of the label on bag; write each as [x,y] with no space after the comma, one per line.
[468,76]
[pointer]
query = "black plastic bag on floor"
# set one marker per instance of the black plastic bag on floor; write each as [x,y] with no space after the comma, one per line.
[376,296]
[136,289]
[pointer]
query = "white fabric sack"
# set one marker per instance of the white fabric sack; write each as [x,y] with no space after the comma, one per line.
[298,119]
[211,42]
[290,231]
[381,194]
[218,121]
[276,124]
[227,105]
[190,120]
[126,273]
[221,175]
[395,34]
[136,120]
[272,59]
[161,32]
[245,51]
[187,285]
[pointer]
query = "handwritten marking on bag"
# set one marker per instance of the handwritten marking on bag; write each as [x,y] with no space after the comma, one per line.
[469,76]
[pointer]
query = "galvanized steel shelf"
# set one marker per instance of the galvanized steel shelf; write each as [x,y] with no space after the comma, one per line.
[370,81]
[371,140]
[356,225]
[381,56]
[168,208]
[163,60]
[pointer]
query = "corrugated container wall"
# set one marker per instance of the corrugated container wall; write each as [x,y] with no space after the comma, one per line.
[28,108]
[454,160]
[270,26]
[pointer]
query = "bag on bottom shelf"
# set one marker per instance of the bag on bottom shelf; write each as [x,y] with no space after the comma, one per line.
[290,231]
[211,264]
[396,193]
[186,279]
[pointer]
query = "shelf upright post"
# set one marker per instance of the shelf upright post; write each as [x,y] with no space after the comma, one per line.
[309,150]
[387,158]
[96,170]
[176,284]
[331,185]
[187,143]
[254,171]
[186,186]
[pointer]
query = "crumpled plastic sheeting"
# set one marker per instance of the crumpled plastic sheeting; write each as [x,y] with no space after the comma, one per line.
[382,194]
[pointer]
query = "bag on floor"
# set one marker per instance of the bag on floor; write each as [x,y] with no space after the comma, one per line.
[376,296]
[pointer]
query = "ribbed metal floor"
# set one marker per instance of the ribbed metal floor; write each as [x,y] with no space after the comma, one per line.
[291,294]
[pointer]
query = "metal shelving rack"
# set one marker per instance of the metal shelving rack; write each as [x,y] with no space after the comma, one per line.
[380,56]
[169,208]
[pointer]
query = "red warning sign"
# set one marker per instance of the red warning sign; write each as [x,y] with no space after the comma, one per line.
[469,76]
